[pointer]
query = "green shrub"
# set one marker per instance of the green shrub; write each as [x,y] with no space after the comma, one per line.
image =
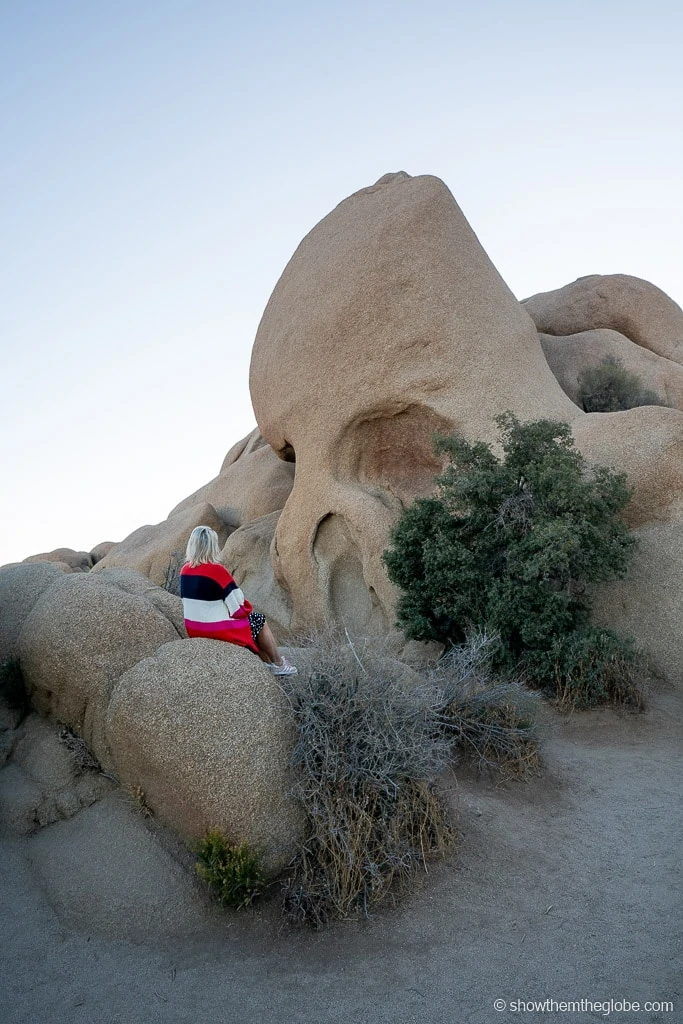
[509,545]
[233,872]
[588,667]
[609,387]
[12,688]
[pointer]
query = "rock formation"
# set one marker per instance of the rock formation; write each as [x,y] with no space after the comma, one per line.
[201,728]
[154,551]
[77,561]
[20,587]
[569,356]
[82,634]
[629,305]
[388,323]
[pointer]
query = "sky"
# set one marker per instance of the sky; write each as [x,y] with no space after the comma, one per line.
[162,160]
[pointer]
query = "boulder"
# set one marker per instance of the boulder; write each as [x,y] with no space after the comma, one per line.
[104,872]
[649,602]
[201,727]
[568,357]
[388,323]
[250,485]
[618,302]
[246,554]
[646,443]
[78,561]
[44,782]
[20,587]
[159,551]
[100,550]
[82,635]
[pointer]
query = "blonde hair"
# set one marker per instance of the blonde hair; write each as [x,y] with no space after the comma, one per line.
[202,546]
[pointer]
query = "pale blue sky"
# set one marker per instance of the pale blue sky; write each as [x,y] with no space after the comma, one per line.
[163,159]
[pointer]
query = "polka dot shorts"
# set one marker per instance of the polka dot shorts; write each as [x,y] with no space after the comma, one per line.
[257,621]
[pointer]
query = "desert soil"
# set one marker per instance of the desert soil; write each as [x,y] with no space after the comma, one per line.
[563,888]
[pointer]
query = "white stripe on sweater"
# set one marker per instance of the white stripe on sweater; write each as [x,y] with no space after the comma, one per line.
[212,611]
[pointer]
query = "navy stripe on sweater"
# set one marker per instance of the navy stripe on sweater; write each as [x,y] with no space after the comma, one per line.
[202,588]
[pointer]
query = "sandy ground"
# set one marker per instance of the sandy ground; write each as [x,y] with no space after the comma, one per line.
[565,888]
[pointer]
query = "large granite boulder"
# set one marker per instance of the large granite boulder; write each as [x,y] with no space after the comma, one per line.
[647,444]
[619,302]
[247,555]
[82,634]
[253,482]
[78,561]
[158,551]
[388,323]
[568,357]
[202,728]
[649,603]
[100,550]
[20,587]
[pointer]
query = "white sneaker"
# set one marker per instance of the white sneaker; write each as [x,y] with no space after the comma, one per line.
[283,669]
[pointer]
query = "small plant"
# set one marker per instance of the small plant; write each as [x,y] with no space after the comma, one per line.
[12,688]
[609,387]
[233,872]
[588,667]
[84,759]
[172,574]
[137,794]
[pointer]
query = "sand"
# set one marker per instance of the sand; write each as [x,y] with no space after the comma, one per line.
[564,888]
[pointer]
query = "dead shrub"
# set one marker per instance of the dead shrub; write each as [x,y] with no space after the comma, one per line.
[374,738]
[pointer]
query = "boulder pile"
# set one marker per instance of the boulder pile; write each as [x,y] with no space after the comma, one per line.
[388,323]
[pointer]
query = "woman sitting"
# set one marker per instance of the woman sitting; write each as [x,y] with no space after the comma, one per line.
[215,607]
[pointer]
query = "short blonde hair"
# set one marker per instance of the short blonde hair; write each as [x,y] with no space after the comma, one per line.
[202,546]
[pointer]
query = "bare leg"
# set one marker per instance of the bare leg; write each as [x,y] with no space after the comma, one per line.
[267,648]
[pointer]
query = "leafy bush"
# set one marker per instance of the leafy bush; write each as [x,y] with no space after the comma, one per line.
[588,667]
[12,689]
[509,545]
[233,872]
[609,387]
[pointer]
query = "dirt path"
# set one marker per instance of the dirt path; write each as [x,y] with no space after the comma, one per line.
[567,888]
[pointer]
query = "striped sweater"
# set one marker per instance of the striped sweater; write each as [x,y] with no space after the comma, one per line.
[214,606]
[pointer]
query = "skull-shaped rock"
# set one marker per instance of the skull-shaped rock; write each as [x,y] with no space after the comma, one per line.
[389,323]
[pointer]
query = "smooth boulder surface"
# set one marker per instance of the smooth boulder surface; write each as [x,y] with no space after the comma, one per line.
[158,551]
[82,635]
[388,323]
[20,587]
[201,727]
[100,550]
[569,357]
[125,883]
[633,307]
[247,555]
[251,485]
[648,604]
[78,561]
